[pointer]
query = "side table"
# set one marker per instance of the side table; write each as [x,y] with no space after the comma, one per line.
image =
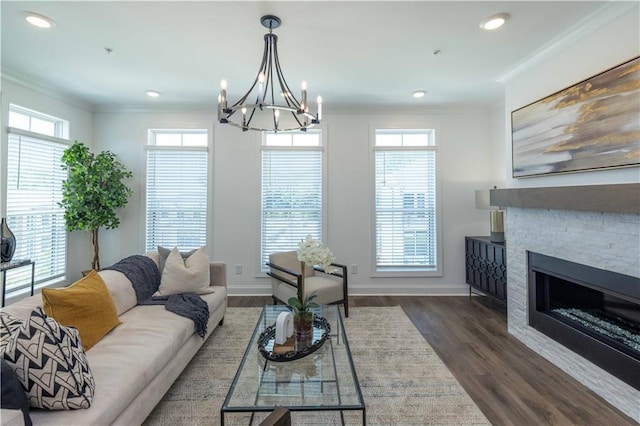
[486,267]
[6,266]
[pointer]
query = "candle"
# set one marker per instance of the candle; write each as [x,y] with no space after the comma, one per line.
[260,87]
[222,99]
[303,104]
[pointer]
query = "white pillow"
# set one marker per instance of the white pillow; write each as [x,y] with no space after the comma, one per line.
[190,275]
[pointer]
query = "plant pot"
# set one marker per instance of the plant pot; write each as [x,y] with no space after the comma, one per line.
[303,329]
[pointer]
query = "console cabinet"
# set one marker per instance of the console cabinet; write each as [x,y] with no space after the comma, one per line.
[486,265]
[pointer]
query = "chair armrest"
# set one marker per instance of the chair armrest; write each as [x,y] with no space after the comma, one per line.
[337,265]
[298,275]
[218,273]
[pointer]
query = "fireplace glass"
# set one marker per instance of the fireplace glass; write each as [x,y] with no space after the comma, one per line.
[595,313]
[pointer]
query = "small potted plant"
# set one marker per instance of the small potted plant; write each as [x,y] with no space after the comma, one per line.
[303,319]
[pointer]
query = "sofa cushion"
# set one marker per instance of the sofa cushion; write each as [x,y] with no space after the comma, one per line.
[190,275]
[8,325]
[86,305]
[13,395]
[122,292]
[50,363]
[163,253]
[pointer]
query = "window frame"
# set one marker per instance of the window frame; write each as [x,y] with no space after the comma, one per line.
[435,146]
[261,269]
[58,137]
[151,146]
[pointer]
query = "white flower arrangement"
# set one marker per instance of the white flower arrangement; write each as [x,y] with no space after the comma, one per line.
[313,252]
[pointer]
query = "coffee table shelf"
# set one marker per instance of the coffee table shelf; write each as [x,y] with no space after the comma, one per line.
[325,380]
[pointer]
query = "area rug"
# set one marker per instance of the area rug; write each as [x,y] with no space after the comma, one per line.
[402,379]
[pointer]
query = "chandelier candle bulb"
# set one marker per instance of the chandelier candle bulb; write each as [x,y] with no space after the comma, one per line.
[223,94]
[319,100]
[303,102]
[260,87]
[244,119]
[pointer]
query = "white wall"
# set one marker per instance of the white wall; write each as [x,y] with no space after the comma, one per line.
[80,119]
[614,42]
[465,165]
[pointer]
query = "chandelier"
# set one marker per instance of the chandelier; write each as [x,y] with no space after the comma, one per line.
[269,104]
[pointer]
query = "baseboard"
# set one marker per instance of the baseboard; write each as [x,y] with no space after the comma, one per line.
[370,290]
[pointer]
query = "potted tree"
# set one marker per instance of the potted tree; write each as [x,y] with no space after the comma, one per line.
[93,192]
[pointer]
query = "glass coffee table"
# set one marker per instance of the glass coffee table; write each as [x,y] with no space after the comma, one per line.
[323,381]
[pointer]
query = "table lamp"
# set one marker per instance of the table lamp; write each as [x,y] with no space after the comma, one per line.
[496,215]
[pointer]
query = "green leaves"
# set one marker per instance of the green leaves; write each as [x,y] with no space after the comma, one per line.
[303,305]
[94,189]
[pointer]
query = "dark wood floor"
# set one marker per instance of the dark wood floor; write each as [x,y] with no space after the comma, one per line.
[511,384]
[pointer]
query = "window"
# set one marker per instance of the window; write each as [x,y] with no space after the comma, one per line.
[34,188]
[177,189]
[405,201]
[292,205]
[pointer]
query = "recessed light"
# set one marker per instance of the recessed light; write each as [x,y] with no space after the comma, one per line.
[418,94]
[38,20]
[494,22]
[153,93]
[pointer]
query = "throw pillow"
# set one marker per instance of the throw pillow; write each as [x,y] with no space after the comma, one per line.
[13,395]
[86,305]
[8,324]
[50,363]
[188,276]
[163,253]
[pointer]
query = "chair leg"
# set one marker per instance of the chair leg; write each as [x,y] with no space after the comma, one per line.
[275,301]
[346,308]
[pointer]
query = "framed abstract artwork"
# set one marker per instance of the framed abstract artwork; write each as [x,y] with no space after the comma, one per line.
[594,124]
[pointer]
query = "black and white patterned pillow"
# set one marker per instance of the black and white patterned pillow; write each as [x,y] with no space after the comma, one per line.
[8,325]
[50,363]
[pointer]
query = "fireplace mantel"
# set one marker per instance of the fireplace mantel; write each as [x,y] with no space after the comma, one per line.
[615,198]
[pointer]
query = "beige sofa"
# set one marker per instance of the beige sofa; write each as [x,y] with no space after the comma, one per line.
[135,364]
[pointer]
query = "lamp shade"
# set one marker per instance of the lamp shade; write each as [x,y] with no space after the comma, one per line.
[483,200]
[496,214]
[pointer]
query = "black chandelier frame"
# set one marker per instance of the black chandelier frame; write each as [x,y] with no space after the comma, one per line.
[241,114]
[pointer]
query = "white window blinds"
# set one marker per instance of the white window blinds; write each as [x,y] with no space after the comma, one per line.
[405,202]
[34,188]
[291,192]
[176,202]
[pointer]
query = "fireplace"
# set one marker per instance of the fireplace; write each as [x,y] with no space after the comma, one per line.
[594,312]
[595,225]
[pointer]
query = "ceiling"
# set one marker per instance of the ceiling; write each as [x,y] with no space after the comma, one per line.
[352,53]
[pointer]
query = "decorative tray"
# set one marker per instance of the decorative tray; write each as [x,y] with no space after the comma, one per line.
[279,353]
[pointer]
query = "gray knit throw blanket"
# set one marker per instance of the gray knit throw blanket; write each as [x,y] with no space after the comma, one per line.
[143,273]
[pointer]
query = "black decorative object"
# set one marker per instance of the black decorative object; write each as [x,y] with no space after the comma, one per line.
[8,241]
[321,330]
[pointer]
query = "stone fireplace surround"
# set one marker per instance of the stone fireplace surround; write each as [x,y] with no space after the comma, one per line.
[595,225]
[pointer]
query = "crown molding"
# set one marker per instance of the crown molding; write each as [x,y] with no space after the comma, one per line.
[37,86]
[194,108]
[601,17]
[335,109]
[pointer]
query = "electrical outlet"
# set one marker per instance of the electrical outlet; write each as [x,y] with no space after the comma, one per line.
[354,268]
[238,269]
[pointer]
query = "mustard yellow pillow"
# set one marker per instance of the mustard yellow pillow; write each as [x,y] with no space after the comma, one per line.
[86,305]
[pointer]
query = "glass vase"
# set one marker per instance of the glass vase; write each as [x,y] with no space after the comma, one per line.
[8,242]
[303,329]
